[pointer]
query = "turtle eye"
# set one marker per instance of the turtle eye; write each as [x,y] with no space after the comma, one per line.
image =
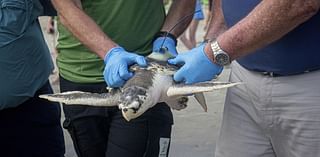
[141,99]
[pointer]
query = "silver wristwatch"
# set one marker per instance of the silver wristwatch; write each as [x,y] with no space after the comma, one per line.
[220,57]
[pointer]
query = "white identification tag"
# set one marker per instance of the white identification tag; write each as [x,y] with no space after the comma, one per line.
[164,145]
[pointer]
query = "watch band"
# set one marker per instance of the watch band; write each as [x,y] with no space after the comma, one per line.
[215,47]
[220,57]
[166,34]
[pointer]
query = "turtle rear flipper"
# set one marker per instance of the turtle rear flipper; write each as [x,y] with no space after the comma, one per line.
[177,103]
[84,98]
[201,100]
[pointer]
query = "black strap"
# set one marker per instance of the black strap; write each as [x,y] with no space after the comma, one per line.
[166,34]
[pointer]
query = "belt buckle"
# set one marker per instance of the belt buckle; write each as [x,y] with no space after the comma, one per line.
[271,74]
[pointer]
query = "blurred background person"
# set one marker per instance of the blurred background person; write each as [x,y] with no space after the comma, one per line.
[188,38]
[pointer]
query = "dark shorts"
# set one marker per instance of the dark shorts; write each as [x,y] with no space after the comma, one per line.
[102,131]
[32,129]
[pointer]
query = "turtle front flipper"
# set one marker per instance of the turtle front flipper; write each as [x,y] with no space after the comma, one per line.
[197,90]
[183,89]
[84,98]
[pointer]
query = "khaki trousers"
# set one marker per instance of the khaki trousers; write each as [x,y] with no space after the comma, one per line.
[271,116]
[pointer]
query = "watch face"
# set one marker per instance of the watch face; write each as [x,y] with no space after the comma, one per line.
[222,59]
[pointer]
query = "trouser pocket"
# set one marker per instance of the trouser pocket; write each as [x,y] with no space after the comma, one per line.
[159,139]
[67,124]
[89,135]
[15,17]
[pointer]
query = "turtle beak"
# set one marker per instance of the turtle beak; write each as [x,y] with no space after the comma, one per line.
[130,111]
[129,114]
[125,117]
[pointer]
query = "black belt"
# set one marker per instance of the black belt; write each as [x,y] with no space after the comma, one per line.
[273,74]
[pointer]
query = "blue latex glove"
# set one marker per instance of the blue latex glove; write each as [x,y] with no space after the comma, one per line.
[117,62]
[168,44]
[196,66]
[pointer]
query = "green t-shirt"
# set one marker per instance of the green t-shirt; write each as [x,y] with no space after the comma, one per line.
[132,24]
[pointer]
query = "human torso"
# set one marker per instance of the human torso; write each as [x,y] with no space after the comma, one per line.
[131,24]
[25,62]
[296,52]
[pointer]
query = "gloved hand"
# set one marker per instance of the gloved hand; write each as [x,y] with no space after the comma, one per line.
[196,66]
[117,62]
[168,43]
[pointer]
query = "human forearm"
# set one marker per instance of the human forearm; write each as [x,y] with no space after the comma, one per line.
[83,27]
[268,22]
[178,10]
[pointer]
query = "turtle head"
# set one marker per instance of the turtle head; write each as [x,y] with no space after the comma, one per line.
[131,102]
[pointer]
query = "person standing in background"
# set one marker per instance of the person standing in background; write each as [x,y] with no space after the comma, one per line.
[51,29]
[190,41]
[30,126]
[208,14]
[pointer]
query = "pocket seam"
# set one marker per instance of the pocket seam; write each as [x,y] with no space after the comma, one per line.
[13,4]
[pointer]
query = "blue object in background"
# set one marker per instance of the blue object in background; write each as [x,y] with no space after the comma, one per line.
[198,15]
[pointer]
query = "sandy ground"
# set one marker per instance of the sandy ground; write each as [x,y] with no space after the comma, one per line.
[194,132]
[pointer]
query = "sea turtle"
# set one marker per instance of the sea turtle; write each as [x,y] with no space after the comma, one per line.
[145,89]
